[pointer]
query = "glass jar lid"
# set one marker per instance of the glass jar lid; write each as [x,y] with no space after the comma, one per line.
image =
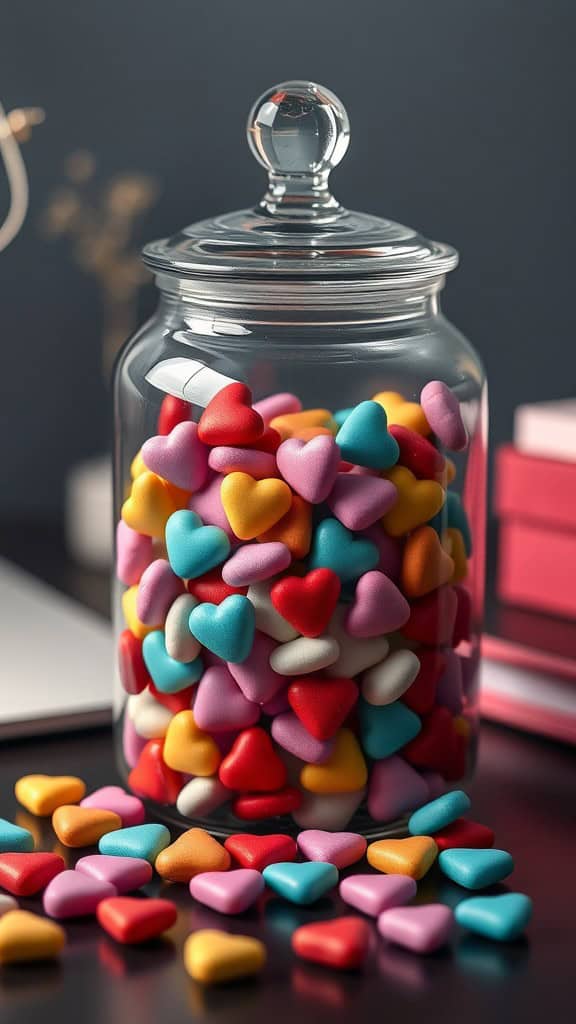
[299,131]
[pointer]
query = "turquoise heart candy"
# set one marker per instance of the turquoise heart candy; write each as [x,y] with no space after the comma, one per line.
[193,548]
[145,841]
[301,883]
[438,813]
[364,437]
[168,675]
[502,918]
[226,629]
[475,869]
[386,729]
[341,415]
[348,555]
[14,839]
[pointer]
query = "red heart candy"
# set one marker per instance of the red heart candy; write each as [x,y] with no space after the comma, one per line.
[464,834]
[258,852]
[432,618]
[434,744]
[175,702]
[269,442]
[131,668]
[229,418]
[172,412]
[151,778]
[307,602]
[252,763]
[25,874]
[342,943]
[256,806]
[129,919]
[420,696]
[417,454]
[322,705]
[211,587]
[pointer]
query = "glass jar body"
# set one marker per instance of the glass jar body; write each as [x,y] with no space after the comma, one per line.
[330,362]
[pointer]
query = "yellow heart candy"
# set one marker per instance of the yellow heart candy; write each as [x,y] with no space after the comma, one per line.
[253,506]
[138,466]
[150,505]
[426,564]
[129,598]
[188,748]
[42,794]
[413,856]
[344,772]
[292,422]
[83,826]
[25,936]
[192,853]
[401,413]
[212,956]
[417,501]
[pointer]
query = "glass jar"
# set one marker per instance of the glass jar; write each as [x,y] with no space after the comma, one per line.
[310,660]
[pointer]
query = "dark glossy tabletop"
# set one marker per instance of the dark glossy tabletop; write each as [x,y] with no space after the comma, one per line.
[525,788]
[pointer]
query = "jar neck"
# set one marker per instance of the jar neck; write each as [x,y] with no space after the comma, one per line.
[296,303]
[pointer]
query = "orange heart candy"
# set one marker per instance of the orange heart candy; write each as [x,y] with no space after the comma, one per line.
[291,422]
[192,853]
[294,529]
[417,502]
[413,856]
[253,506]
[344,772]
[150,505]
[425,564]
[401,413]
[83,826]
[188,748]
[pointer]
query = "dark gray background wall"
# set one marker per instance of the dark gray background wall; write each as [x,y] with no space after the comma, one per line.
[462,122]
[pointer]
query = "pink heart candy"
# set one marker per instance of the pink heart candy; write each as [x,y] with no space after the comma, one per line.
[442,410]
[208,505]
[132,743]
[395,788]
[255,677]
[338,848]
[420,929]
[220,704]
[277,705]
[73,894]
[310,467]
[179,457]
[259,465]
[281,404]
[114,798]
[289,733]
[378,607]
[390,550]
[359,501]
[229,892]
[158,588]
[373,894]
[253,562]
[134,552]
[124,873]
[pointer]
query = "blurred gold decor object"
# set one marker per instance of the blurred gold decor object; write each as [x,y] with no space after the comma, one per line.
[101,220]
[15,128]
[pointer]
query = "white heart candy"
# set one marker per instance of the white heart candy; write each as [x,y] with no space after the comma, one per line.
[268,620]
[180,644]
[304,655]
[201,796]
[149,718]
[356,655]
[386,682]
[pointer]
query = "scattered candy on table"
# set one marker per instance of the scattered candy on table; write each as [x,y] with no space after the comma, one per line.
[42,794]
[502,918]
[27,937]
[342,943]
[212,956]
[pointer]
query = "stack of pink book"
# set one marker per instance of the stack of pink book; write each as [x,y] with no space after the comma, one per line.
[529,671]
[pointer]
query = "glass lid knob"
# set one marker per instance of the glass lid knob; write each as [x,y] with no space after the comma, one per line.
[299,131]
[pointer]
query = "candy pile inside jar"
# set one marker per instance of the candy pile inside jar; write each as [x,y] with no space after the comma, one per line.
[293,607]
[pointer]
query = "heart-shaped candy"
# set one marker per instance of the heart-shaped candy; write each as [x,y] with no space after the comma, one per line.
[192,853]
[290,734]
[137,628]
[179,642]
[414,856]
[374,893]
[25,936]
[229,418]
[378,607]
[310,467]
[133,673]
[83,826]
[386,729]
[338,848]
[212,957]
[395,787]
[476,869]
[134,553]
[180,457]
[304,655]
[253,764]
[220,705]
[438,813]
[294,529]
[363,438]
[464,834]
[114,798]
[254,562]
[168,675]
[230,892]
[150,505]
[402,413]
[14,839]
[194,549]
[255,676]
[356,654]
[420,929]
[345,770]
[211,588]
[254,506]
[130,920]
[322,705]
[262,806]
[25,874]
[442,410]
[290,423]
[268,620]
[150,718]
[502,918]
[301,883]
[417,501]
[347,554]
[307,602]
[172,412]
[226,629]
[124,873]
[189,749]
[201,796]
[359,501]
[207,503]
[141,841]
[388,681]
[74,894]
[280,404]
[418,454]
[259,465]
[158,588]
[426,565]
[42,794]
[152,778]
[341,943]
[258,852]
